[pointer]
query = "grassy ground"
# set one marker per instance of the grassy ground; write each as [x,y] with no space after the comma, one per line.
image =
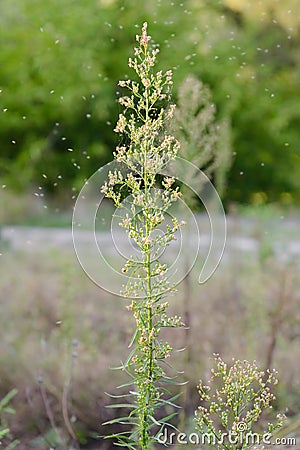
[60,334]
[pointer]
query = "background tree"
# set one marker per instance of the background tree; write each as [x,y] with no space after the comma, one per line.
[205,143]
[59,69]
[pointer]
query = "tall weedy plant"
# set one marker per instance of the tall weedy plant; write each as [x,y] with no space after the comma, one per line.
[146,148]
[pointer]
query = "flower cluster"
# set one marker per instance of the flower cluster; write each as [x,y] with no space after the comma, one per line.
[233,401]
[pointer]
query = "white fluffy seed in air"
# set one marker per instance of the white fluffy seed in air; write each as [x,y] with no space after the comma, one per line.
[88,116]
[44,175]
[70,149]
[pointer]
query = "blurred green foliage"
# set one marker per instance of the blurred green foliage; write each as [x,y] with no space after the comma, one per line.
[59,66]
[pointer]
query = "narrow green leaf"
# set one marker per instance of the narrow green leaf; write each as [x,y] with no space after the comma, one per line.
[154,420]
[169,401]
[118,396]
[128,445]
[133,338]
[131,354]
[116,435]
[120,405]
[4,432]
[8,397]
[174,383]
[129,383]
[120,420]
[9,410]
[165,419]
[12,445]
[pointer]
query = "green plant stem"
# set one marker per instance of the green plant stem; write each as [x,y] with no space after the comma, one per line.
[145,436]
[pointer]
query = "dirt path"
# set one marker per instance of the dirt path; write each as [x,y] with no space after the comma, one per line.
[242,236]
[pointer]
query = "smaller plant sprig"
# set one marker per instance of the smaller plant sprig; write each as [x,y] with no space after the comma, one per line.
[145,150]
[5,408]
[234,400]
